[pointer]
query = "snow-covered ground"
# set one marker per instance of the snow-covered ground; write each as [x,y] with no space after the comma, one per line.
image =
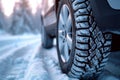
[23,58]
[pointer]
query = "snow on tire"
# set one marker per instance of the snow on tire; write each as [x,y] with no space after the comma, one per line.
[90,48]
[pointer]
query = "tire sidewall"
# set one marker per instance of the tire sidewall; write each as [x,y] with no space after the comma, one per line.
[66,66]
[43,34]
[47,41]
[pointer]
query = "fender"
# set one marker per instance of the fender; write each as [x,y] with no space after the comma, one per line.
[106,17]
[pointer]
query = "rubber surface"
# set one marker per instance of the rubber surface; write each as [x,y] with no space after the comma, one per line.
[90,47]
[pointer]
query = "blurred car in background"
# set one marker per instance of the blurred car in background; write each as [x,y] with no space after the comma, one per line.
[86,33]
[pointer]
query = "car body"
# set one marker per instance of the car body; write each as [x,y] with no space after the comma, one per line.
[49,16]
[107,15]
[85,29]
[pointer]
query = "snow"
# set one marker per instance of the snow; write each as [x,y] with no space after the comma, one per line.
[23,58]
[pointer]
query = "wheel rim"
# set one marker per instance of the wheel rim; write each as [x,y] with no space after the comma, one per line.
[65,33]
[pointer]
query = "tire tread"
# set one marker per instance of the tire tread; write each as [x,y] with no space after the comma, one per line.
[92,48]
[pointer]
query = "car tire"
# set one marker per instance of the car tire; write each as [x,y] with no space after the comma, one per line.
[82,48]
[47,41]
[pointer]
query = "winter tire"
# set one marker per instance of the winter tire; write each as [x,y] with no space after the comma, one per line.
[47,41]
[82,48]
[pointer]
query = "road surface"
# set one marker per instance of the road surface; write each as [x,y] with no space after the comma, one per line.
[23,58]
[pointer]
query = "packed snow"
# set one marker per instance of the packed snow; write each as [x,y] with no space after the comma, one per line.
[22,56]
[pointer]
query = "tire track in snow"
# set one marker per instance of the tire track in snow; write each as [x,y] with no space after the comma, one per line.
[52,65]
[15,48]
[23,62]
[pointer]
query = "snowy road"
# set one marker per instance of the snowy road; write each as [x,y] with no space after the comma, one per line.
[23,58]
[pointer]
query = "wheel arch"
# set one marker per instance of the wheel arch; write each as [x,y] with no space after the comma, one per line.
[56,4]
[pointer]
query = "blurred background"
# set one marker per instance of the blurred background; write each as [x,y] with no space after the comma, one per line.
[21,54]
[20,16]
